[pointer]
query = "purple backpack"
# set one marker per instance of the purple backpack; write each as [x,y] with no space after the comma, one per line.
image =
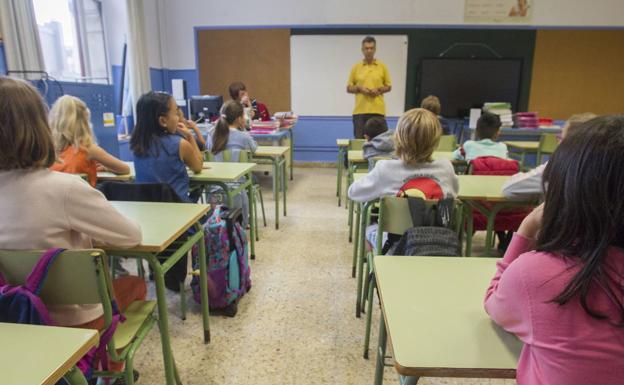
[21,304]
[227,260]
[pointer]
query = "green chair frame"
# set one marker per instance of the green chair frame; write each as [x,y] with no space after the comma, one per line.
[393,218]
[547,146]
[83,277]
[244,157]
[354,145]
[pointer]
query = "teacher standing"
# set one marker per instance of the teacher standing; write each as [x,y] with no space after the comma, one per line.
[369,80]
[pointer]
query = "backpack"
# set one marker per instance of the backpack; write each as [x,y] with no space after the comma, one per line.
[430,236]
[227,260]
[22,304]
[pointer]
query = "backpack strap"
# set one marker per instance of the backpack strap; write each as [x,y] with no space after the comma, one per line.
[444,212]
[418,212]
[37,276]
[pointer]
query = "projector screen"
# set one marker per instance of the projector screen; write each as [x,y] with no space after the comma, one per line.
[462,84]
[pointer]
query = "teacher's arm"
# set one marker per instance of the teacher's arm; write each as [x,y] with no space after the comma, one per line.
[352,86]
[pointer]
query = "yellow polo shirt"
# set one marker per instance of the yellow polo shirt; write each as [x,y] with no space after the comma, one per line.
[373,75]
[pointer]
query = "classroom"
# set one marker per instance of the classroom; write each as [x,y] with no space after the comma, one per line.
[311,192]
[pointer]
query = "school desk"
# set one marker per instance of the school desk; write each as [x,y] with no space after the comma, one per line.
[433,313]
[277,138]
[343,145]
[518,133]
[476,189]
[161,224]
[523,148]
[227,175]
[42,355]
[356,164]
[104,176]
[276,155]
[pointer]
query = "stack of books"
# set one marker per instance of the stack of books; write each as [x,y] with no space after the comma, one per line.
[503,110]
[286,119]
[268,127]
[526,120]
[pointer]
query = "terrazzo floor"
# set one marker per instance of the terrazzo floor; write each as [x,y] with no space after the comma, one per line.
[297,325]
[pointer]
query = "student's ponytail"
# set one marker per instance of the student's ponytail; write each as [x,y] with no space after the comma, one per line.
[231,111]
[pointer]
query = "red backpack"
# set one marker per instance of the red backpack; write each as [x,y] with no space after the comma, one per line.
[506,220]
[422,187]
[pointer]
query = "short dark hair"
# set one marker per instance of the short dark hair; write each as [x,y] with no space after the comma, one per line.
[431,103]
[488,126]
[584,212]
[375,126]
[369,39]
[235,88]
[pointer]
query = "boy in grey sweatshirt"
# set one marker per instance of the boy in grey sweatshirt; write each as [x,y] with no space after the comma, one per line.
[378,140]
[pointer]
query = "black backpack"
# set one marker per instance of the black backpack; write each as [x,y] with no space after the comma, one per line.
[431,234]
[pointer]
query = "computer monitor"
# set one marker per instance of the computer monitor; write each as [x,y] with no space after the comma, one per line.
[206,107]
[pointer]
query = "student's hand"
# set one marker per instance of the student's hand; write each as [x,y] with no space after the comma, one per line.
[182,130]
[375,92]
[100,168]
[532,224]
[245,101]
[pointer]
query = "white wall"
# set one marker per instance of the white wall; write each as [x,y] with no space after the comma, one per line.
[182,15]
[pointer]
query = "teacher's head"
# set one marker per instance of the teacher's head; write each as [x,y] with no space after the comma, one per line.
[369,47]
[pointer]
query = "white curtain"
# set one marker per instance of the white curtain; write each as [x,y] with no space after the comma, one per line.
[21,37]
[137,51]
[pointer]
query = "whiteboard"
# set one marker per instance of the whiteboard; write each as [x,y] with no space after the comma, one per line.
[320,67]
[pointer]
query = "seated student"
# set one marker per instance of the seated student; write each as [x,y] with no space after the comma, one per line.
[229,134]
[529,184]
[162,146]
[417,135]
[379,140]
[432,103]
[192,126]
[42,208]
[253,108]
[75,145]
[559,286]
[488,127]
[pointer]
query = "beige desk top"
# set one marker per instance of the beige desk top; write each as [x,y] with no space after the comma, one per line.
[482,187]
[222,172]
[34,355]
[271,151]
[342,142]
[522,145]
[437,327]
[161,223]
[109,176]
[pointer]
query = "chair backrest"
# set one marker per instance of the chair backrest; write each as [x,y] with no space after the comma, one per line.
[492,165]
[75,277]
[231,155]
[548,143]
[356,144]
[447,143]
[139,192]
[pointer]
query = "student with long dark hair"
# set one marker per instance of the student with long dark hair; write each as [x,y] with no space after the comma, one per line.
[162,146]
[565,300]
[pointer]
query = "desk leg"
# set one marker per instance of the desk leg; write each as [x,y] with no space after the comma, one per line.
[203,284]
[284,184]
[292,151]
[276,192]
[75,377]
[364,220]
[356,244]
[252,216]
[381,352]
[339,167]
[469,229]
[163,319]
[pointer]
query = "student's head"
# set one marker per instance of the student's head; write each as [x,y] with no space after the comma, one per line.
[417,135]
[237,90]
[575,121]
[369,47]
[431,103]
[156,116]
[583,210]
[25,137]
[232,115]
[488,126]
[70,121]
[375,126]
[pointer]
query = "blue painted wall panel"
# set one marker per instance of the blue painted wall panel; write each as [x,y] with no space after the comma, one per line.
[3,66]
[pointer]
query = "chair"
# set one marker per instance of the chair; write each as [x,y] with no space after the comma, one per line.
[447,143]
[547,145]
[506,219]
[353,167]
[82,277]
[243,157]
[394,218]
[153,192]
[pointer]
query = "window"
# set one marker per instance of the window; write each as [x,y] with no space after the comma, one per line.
[72,39]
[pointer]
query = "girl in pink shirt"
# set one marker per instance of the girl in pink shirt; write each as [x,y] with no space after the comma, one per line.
[560,286]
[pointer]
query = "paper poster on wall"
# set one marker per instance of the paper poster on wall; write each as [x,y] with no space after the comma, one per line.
[498,11]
